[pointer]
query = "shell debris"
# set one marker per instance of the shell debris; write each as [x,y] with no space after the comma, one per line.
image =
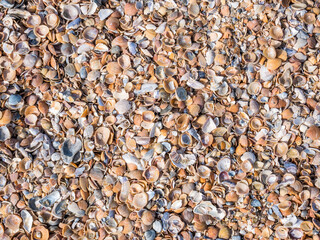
[185,119]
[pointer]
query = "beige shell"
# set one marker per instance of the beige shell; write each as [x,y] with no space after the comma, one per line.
[33,21]
[254,88]
[52,20]
[151,174]
[90,33]
[281,149]
[12,222]
[274,64]
[140,200]
[242,188]
[170,85]
[41,31]
[182,122]
[309,18]
[102,136]
[5,117]
[114,68]
[148,116]
[270,52]
[204,171]
[31,119]
[124,61]
[276,32]
[40,233]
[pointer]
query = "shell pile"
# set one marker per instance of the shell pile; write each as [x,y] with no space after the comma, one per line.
[176,119]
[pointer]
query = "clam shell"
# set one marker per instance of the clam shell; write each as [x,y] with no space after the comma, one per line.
[254,88]
[102,136]
[204,171]
[114,68]
[140,200]
[124,61]
[70,150]
[33,21]
[4,133]
[270,52]
[70,12]
[309,18]
[274,64]
[151,174]
[41,31]
[281,149]
[90,33]
[276,32]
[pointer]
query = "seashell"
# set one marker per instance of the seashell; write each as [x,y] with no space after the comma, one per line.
[296,233]
[90,33]
[151,174]
[33,21]
[147,217]
[184,41]
[104,13]
[112,23]
[242,188]
[285,208]
[70,150]
[175,224]
[276,32]
[185,140]
[4,133]
[281,232]
[170,85]
[281,149]
[12,222]
[286,79]
[130,9]
[162,61]
[270,52]
[225,233]
[249,57]
[52,20]
[204,171]
[102,136]
[41,31]
[30,61]
[124,61]
[246,166]
[140,200]
[122,106]
[40,233]
[114,68]
[15,101]
[255,124]
[254,88]
[313,132]
[67,49]
[273,64]
[182,122]
[31,119]
[309,18]
[299,81]
[181,94]
[224,164]
[7,3]
[27,220]
[148,116]
[193,10]
[70,12]
[306,226]
[282,54]
[206,139]
[50,199]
